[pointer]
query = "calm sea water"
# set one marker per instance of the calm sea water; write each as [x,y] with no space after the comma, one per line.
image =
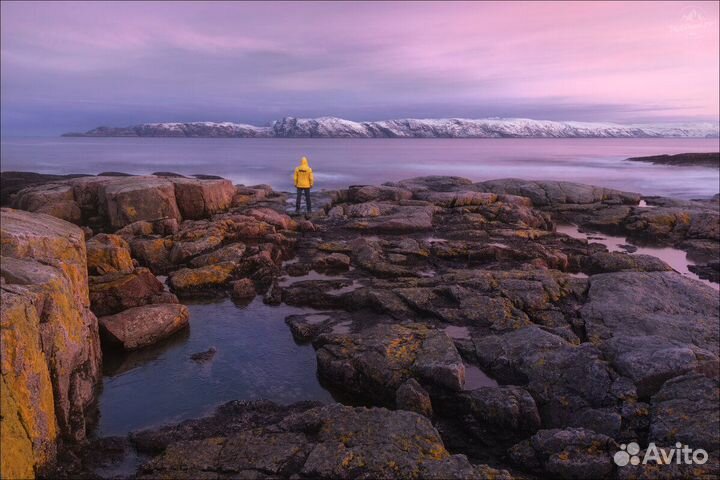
[342,162]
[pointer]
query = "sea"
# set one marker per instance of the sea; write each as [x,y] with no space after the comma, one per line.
[341,162]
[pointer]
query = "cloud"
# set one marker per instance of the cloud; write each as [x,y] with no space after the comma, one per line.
[252,62]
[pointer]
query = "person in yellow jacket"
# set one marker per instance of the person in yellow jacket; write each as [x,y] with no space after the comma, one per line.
[303,182]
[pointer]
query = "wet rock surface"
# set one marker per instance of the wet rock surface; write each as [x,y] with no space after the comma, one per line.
[454,303]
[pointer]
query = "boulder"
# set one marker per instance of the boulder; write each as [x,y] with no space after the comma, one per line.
[396,219]
[335,262]
[182,251]
[115,292]
[56,199]
[243,289]
[153,253]
[202,198]
[572,454]
[188,281]
[198,237]
[652,326]
[163,227]
[570,384]
[142,326]
[307,326]
[498,414]
[369,193]
[412,397]
[366,209]
[49,342]
[229,253]
[129,199]
[244,195]
[457,198]
[376,361]
[260,268]
[108,254]
[603,262]
[273,217]
[686,410]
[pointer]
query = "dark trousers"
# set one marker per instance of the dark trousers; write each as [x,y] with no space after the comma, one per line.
[307,199]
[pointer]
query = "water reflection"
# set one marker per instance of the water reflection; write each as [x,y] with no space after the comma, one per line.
[476,378]
[256,357]
[676,258]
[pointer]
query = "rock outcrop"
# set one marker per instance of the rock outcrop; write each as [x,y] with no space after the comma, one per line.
[450,301]
[141,326]
[50,344]
[108,254]
[112,202]
[115,292]
[256,439]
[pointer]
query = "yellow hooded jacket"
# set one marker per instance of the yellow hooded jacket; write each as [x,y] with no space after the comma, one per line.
[303,175]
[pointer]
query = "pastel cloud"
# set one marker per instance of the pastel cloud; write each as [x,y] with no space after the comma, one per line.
[72,65]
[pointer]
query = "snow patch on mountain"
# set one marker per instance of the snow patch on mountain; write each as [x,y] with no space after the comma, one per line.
[333,127]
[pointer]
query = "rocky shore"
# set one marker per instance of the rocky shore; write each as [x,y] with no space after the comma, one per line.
[480,341]
[711,159]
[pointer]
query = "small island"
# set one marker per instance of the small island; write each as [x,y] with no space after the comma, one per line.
[706,159]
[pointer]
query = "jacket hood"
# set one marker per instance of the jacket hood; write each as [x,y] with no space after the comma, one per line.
[304,162]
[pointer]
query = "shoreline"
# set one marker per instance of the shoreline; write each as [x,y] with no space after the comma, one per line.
[410,292]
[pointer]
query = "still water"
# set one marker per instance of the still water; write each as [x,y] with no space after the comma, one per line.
[256,357]
[342,162]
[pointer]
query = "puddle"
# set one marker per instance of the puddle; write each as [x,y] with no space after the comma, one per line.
[312,275]
[256,358]
[499,245]
[315,319]
[342,328]
[674,257]
[350,288]
[125,468]
[476,378]
[457,333]
[427,273]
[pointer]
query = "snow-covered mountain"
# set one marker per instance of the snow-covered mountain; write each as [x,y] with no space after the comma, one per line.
[332,127]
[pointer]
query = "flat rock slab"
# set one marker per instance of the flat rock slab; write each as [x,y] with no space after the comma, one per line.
[378,360]
[652,326]
[328,442]
[141,326]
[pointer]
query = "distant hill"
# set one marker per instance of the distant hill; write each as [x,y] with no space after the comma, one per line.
[332,127]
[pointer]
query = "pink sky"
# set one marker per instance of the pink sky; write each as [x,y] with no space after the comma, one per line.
[85,63]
